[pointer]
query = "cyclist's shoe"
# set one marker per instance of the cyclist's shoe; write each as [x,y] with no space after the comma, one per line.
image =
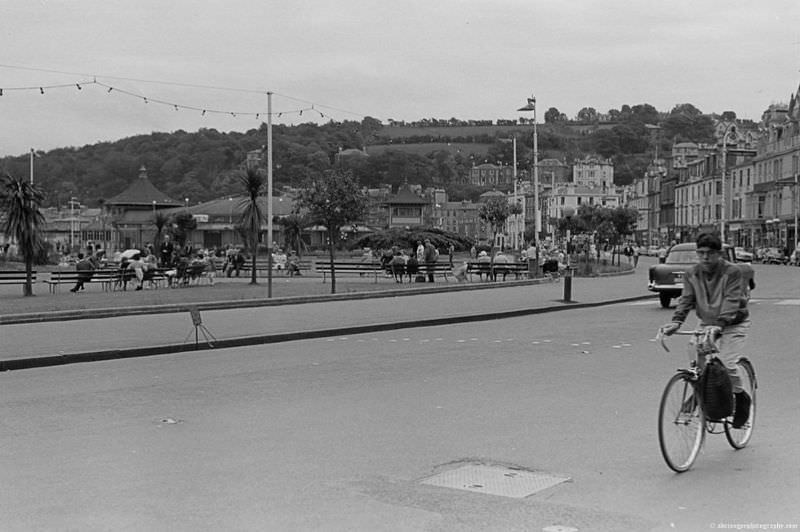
[742,412]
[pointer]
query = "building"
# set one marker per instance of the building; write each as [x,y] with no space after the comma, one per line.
[594,172]
[131,213]
[491,175]
[406,209]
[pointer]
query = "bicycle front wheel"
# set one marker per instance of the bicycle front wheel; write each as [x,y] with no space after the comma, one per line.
[738,438]
[681,424]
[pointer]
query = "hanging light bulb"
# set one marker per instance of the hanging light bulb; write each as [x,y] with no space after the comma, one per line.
[145,100]
[1,92]
[41,90]
[110,88]
[204,113]
[176,107]
[78,85]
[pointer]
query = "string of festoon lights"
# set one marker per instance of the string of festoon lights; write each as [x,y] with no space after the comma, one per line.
[113,89]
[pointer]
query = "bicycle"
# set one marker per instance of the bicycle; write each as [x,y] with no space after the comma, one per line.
[682,420]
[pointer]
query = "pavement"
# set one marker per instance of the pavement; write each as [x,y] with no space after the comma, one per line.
[53,338]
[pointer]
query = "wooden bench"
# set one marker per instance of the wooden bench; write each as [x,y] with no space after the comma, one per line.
[442,269]
[491,271]
[262,265]
[373,269]
[16,277]
[104,277]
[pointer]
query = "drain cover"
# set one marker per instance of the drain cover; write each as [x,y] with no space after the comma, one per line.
[495,480]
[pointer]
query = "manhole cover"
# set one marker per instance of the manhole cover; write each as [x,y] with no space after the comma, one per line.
[495,480]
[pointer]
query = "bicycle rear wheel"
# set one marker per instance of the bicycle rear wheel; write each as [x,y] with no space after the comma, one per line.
[738,438]
[681,424]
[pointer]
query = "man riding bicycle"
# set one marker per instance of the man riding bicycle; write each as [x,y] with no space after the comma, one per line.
[718,292]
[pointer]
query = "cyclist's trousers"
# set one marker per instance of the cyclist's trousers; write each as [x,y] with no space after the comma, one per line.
[731,347]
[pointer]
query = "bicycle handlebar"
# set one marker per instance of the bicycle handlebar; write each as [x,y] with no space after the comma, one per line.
[660,336]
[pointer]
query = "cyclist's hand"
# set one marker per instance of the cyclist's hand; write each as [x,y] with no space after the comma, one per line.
[707,342]
[670,328]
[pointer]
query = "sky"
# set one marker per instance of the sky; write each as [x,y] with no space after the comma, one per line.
[152,65]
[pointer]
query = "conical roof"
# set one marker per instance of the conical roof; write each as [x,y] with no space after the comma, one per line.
[142,192]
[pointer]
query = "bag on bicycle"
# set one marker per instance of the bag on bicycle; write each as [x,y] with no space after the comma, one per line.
[716,390]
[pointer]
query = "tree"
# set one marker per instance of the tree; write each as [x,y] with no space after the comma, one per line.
[293,226]
[252,216]
[184,223]
[495,212]
[587,114]
[23,222]
[553,115]
[332,200]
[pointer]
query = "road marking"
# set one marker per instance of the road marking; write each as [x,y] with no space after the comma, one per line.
[789,302]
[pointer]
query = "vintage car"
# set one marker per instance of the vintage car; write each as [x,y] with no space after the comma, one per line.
[742,255]
[667,278]
[774,256]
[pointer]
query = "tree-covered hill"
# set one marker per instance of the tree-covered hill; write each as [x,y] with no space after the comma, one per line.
[202,165]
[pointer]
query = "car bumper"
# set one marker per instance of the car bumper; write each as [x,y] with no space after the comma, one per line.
[655,287]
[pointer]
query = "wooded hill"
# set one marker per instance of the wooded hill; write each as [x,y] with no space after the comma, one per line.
[203,165]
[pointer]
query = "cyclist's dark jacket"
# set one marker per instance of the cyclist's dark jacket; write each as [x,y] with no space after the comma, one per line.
[719,300]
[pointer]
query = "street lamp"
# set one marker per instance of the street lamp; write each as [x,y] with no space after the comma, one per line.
[730,129]
[33,154]
[568,212]
[531,106]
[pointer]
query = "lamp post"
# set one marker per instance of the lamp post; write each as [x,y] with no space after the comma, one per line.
[568,212]
[33,154]
[730,129]
[531,106]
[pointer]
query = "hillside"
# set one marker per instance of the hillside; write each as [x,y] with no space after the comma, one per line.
[204,164]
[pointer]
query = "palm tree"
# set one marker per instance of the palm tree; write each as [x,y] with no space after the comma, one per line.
[252,215]
[293,226]
[21,201]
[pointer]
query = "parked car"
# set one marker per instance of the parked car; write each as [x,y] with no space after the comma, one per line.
[774,256]
[794,258]
[742,255]
[666,278]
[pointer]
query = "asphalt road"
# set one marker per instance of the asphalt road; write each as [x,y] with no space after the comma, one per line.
[337,433]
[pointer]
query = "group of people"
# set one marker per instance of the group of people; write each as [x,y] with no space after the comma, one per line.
[417,263]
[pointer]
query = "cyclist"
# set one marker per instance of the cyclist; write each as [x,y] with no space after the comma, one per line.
[718,291]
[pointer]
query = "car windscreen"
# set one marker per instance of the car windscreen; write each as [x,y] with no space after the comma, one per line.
[682,257]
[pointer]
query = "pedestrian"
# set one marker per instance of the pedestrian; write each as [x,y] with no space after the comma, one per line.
[450,250]
[430,255]
[635,255]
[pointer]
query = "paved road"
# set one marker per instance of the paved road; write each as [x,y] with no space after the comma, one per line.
[146,334]
[338,433]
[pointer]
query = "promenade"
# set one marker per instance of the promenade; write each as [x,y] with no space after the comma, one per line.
[53,337]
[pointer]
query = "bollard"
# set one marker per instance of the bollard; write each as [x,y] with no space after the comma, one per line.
[568,286]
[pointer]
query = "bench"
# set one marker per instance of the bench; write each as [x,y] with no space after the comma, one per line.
[398,271]
[491,271]
[16,277]
[59,277]
[372,269]
[262,265]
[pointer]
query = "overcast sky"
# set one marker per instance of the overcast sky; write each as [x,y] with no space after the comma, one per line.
[401,59]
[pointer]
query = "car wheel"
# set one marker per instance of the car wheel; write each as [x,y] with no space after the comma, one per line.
[665,299]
